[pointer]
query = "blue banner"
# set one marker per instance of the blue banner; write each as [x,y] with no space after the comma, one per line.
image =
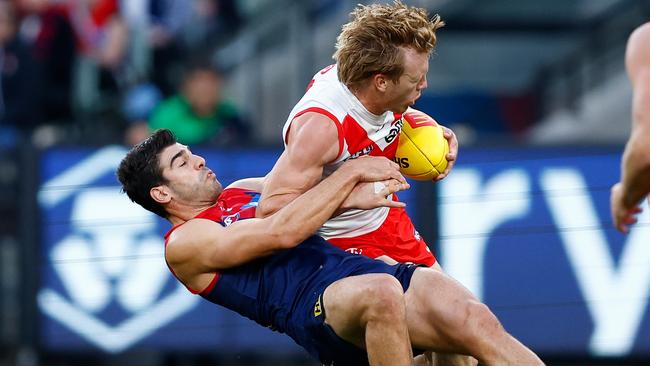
[529,232]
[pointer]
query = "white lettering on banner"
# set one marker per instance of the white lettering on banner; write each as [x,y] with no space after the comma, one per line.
[470,210]
[616,298]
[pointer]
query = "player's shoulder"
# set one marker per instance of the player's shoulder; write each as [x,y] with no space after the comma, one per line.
[640,37]
[643,28]
[249,184]
[638,53]
[192,232]
[313,130]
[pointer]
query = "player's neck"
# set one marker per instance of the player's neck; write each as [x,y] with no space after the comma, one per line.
[181,213]
[369,100]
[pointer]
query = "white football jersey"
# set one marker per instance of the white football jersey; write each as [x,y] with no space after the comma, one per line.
[360,133]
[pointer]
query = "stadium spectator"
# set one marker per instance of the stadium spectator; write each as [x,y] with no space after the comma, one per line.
[166,21]
[46,29]
[198,114]
[138,105]
[19,82]
[211,23]
[102,39]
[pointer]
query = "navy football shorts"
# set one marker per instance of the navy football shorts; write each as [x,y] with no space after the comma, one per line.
[309,328]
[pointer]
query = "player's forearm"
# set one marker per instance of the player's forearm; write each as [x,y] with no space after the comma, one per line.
[635,175]
[272,204]
[304,215]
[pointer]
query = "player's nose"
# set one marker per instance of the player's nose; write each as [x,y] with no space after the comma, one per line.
[199,162]
[423,84]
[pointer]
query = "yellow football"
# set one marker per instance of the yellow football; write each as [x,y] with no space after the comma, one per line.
[422,148]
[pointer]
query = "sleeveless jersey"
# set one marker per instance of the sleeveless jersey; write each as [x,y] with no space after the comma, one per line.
[361,133]
[283,291]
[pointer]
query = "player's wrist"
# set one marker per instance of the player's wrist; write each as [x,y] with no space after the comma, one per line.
[350,170]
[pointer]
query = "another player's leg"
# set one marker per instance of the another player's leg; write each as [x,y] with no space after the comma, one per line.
[446,359]
[369,312]
[443,315]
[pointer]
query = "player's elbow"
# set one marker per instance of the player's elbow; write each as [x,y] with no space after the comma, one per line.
[266,207]
[285,240]
[283,234]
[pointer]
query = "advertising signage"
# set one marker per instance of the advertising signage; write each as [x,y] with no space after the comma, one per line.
[529,232]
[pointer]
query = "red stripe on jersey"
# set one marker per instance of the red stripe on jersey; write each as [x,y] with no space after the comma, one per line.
[356,136]
[327,114]
[311,83]
[327,68]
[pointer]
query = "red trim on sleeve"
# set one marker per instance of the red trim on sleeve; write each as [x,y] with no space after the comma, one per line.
[209,288]
[327,114]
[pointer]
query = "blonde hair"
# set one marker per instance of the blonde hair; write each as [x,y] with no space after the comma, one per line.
[371,42]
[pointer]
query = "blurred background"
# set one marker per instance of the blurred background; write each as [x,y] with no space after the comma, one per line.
[535,90]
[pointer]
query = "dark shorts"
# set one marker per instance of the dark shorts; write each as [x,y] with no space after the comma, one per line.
[310,329]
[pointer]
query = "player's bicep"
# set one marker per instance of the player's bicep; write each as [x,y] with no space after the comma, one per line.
[637,57]
[641,101]
[313,141]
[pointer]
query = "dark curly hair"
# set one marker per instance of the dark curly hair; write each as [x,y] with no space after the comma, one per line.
[140,170]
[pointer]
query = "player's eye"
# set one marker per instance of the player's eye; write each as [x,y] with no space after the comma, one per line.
[182,163]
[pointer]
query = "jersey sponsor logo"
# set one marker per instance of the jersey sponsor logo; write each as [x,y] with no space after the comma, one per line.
[354,250]
[394,131]
[318,310]
[230,219]
[106,281]
[417,236]
[365,151]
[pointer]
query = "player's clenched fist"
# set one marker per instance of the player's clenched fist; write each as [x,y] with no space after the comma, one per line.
[622,216]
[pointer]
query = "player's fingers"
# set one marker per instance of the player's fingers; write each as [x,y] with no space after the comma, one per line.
[391,186]
[399,177]
[393,204]
[620,225]
[629,220]
[444,174]
[623,228]
[451,138]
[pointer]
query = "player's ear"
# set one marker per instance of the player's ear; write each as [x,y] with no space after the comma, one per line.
[380,82]
[160,194]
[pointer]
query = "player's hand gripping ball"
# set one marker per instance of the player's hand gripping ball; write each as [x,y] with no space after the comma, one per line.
[422,148]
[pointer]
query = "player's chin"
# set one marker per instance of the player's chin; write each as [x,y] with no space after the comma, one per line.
[402,109]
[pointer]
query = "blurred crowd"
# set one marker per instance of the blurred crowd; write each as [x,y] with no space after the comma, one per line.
[110,71]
